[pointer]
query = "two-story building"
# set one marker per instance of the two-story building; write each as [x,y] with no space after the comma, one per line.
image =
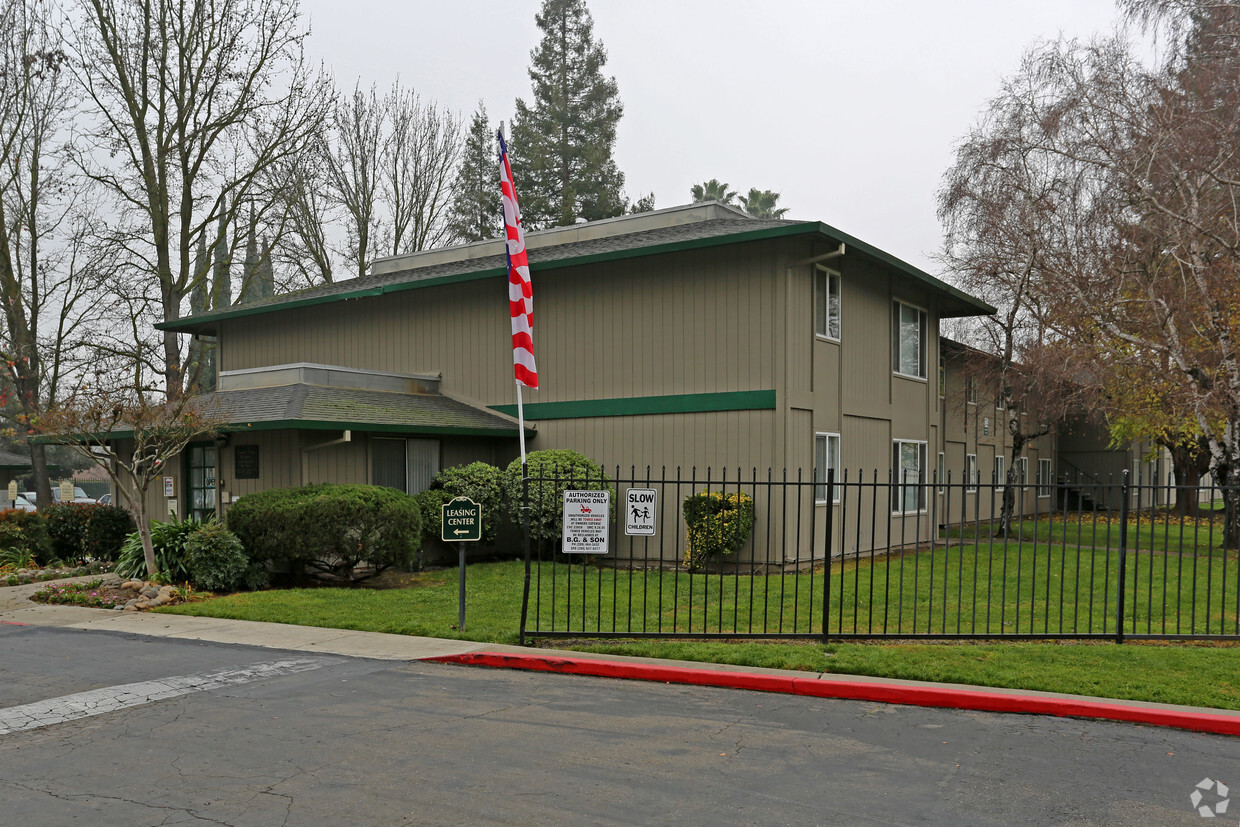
[688,338]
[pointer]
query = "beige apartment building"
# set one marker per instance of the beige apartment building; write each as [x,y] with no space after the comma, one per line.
[686,338]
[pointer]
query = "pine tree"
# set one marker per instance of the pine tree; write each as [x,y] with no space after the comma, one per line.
[562,144]
[476,210]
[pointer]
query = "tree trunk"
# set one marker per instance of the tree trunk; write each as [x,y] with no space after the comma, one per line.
[42,481]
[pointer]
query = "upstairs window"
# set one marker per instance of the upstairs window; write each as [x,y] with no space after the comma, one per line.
[908,340]
[827,303]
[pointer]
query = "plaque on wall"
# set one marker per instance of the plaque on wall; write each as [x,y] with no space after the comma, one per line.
[245,462]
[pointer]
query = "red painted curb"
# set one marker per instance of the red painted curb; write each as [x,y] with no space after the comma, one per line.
[933,696]
[12,623]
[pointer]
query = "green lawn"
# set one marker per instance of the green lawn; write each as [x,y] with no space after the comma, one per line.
[1187,674]
[1160,532]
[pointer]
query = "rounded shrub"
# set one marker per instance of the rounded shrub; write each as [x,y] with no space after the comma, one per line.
[215,558]
[431,502]
[329,529]
[717,524]
[480,481]
[551,472]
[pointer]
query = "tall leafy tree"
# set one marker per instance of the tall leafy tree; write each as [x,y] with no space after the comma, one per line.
[476,210]
[762,204]
[712,190]
[563,142]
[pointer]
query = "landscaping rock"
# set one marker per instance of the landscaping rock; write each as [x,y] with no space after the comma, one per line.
[149,591]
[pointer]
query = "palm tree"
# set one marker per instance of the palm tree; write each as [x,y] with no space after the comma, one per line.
[761,204]
[712,190]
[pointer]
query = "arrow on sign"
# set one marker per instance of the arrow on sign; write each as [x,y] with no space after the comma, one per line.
[461,531]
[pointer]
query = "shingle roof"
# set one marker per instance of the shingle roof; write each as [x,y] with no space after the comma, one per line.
[414,271]
[11,460]
[322,407]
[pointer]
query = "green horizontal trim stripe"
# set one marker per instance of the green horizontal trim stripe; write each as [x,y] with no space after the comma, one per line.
[970,304]
[646,405]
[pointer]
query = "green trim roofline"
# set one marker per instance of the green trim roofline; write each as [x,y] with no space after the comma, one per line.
[206,321]
[646,405]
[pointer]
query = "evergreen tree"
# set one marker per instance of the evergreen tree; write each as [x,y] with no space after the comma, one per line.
[563,143]
[476,210]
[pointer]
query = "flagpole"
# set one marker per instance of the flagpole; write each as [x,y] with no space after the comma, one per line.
[521,423]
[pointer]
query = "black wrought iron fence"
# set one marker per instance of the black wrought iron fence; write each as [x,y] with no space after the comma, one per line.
[869,556]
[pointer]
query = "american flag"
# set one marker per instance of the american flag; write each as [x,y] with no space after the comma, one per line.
[520,291]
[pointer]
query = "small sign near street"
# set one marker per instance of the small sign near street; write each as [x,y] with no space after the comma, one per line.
[66,491]
[586,518]
[641,510]
[462,521]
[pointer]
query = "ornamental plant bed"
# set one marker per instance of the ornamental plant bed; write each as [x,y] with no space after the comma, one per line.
[114,593]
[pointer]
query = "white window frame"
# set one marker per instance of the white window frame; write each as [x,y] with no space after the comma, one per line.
[899,498]
[970,390]
[1022,474]
[1046,472]
[897,330]
[827,286]
[824,460]
[1000,471]
[970,473]
[942,471]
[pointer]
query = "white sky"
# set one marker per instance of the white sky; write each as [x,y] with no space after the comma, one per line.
[849,109]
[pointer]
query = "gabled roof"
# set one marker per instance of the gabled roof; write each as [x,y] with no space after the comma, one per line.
[663,231]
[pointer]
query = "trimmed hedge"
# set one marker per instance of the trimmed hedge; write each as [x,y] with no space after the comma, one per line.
[330,529]
[26,531]
[480,482]
[80,530]
[562,469]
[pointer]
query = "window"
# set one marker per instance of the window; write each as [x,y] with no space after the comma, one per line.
[942,470]
[407,465]
[1046,478]
[970,472]
[1000,471]
[1022,472]
[999,405]
[970,390]
[908,461]
[908,340]
[201,467]
[827,303]
[826,456]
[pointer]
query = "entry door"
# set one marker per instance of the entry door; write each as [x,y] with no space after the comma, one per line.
[201,483]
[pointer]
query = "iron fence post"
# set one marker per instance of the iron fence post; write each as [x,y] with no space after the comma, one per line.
[1121,588]
[829,523]
[525,529]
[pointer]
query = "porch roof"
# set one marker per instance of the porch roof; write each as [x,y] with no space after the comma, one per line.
[322,407]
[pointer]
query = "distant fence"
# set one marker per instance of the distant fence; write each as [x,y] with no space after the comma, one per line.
[866,556]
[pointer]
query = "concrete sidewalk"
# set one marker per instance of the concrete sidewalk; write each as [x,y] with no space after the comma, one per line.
[16,608]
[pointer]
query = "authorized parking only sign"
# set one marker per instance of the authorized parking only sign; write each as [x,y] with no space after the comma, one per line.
[586,518]
[641,507]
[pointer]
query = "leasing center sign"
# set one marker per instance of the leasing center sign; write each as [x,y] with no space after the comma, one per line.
[586,518]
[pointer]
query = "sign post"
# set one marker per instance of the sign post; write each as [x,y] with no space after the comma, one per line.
[461,523]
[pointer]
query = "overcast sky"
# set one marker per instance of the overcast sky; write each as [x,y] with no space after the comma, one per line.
[849,109]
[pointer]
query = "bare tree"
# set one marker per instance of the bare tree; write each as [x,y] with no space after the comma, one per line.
[47,266]
[391,162]
[132,432]
[193,101]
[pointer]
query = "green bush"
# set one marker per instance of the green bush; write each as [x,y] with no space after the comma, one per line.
[717,524]
[329,529]
[480,482]
[431,502]
[561,470]
[216,560]
[168,540]
[79,530]
[26,531]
